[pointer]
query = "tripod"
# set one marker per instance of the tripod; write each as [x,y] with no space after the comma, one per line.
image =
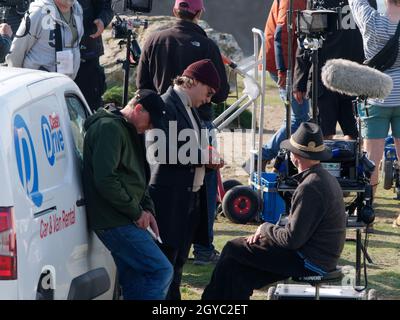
[124,29]
[131,60]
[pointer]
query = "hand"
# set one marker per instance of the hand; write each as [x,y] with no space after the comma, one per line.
[100,28]
[154,226]
[215,161]
[255,237]
[5,30]
[145,220]
[299,96]
[281,79]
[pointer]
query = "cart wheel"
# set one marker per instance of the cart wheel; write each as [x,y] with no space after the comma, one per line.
[240,204]
[387,175]
[229,184]
[372,295]
[271,293]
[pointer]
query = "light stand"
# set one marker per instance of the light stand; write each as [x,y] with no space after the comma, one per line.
[313,44]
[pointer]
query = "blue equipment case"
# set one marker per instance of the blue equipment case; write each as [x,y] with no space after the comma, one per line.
[273,204]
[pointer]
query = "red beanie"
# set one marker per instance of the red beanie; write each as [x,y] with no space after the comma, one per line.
[205,72]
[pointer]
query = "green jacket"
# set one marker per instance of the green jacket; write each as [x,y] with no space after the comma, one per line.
[115,172]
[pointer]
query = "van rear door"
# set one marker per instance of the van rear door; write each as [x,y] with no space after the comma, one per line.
[8,253]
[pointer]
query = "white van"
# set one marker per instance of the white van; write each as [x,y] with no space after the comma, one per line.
[46,250]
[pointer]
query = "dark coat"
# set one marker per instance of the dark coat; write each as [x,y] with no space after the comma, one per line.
[167,53]
[317,220]
[171,185]
[92,10]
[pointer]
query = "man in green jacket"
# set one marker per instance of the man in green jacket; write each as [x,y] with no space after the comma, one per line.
[119,208]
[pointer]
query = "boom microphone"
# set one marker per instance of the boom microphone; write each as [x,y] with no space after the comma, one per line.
[352,79]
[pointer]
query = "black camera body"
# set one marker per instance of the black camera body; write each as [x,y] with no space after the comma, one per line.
[318,22]
[121,28]
[143,6]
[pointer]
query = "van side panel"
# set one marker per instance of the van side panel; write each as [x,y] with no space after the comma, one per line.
[40,176]
[6,199]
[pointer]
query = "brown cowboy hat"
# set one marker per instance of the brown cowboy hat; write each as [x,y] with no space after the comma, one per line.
[308,142]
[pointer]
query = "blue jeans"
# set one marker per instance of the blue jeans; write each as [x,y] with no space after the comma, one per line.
[143,270]
[211,184]
[299,115]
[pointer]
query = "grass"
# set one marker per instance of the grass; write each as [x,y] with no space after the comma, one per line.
[383,248]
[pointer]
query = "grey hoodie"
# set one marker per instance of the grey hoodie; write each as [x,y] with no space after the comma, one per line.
[37,49]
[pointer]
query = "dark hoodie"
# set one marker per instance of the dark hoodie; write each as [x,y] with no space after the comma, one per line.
[115,171]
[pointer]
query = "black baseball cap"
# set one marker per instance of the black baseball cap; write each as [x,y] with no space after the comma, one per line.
[153,104]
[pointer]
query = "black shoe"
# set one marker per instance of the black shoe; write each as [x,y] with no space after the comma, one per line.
[202,260]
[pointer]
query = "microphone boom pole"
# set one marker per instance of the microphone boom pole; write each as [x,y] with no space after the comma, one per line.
[289,81]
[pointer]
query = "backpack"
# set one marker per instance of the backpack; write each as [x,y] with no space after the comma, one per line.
[387,56]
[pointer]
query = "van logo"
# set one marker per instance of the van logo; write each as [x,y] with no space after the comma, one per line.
[26,161]
[53,139]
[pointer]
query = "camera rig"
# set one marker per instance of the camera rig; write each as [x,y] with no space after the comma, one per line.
[20,5]
[313,26]
[12,11]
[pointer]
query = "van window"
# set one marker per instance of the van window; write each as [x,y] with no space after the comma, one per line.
[77,115]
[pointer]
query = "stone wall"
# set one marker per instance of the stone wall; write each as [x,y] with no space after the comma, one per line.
[114,52]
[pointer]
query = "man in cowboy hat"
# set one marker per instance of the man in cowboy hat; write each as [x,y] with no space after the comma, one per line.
[309,244]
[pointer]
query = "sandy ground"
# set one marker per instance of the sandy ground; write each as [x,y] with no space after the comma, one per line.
[235,145]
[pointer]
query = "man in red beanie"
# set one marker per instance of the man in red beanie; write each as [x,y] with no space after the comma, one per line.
[177,186]
[165,55]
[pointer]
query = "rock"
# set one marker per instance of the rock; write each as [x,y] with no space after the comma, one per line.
[114,52]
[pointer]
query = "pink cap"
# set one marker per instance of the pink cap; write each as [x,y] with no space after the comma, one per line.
[192,6]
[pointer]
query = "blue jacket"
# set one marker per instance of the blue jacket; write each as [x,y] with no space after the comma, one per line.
[5,44]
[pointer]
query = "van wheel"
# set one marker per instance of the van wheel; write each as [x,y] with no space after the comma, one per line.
[45,289]
[117,289]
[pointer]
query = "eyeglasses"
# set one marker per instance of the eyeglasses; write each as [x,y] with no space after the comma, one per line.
[210,93]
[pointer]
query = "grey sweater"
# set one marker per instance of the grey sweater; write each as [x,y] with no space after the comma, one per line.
[37,49]
[316,228]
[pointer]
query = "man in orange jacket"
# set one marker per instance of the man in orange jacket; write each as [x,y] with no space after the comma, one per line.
[276,38]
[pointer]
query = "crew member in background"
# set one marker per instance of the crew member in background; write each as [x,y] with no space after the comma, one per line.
[379,114]
[276,45]
[97,15]
[165,55]
[345,43]
[52,43]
